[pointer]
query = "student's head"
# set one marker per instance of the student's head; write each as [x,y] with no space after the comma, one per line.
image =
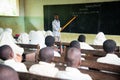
[75,44]
[73,57]
[56,16]
[7,73]
[49,41]
[82,38]
[46,54]
[6,52]
[109,46]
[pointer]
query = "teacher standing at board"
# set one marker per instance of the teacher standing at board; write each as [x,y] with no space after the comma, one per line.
[56,27]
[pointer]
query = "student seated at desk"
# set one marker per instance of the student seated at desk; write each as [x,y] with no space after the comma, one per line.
[45,67]
[110,58]
[6,38]
[83,44]
[73,60]
[37,37]
[76,44]
[99,39]
[50,41]
[7,55]
[7,73]
[23,38]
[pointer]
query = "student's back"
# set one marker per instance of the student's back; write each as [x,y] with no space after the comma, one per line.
[73,60]
[99,39]
[50,41]
[45,67]
[83,44]
[110,58]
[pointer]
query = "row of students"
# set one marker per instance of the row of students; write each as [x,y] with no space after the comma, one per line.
[38,37]
[73,59]
[45,67]
[109,46]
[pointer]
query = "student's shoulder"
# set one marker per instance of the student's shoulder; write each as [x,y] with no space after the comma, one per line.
[86,76]
[101,59]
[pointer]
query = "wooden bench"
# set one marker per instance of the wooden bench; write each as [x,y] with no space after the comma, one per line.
[96,72]
[101,66]
[94,54]
[101,47]
[94,65]
[29,76]
[96,75]
[29,49]
[94,46]
[91,54]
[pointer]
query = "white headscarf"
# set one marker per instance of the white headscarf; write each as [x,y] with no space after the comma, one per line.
[36,37]
[23,38]
[9,30]
[1,30]
[43,32]
[49,33]
[100,38]
[7,39]
[31,35]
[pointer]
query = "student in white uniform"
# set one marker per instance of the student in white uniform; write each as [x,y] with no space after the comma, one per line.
[37,37]
[83,44]
[6,38]
[45,67]
[73,61]
[110,58]
[76,44]
[56,27]
[7,55]
[9,30]
[99,39]
[50,42]
[23,38]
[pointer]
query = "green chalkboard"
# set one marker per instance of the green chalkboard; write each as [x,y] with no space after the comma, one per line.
[91,17]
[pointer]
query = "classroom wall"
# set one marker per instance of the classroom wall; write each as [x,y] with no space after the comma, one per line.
[31,14]
[14,22]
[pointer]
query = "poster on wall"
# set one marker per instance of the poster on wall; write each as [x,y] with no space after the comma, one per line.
[9,7]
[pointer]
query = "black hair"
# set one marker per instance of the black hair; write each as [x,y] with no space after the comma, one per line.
[46,54]
[5,52]
[75,44]
[73,56]
[109,46]
[49,41]
[81,38]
